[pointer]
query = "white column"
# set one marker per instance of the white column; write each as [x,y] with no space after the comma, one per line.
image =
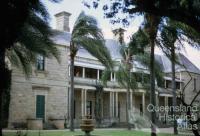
[131,99]
[113,103]
[143,103]
[181,82]
[98,77]
[111,106]
[83,74]
[82,103]
[166,101]
[157,100]
[111,76]
[68,101]
[85,101]
[116,103]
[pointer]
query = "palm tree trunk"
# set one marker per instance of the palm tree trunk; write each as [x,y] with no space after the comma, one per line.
[128,105]
[174,87]
[152,89]
[72,88]
[2,85]
[1,113]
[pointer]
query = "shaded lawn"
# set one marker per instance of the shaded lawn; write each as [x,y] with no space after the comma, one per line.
[78,132]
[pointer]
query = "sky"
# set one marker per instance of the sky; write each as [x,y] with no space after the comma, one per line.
[76,6]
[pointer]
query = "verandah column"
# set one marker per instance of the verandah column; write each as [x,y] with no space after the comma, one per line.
[131,100]
[166,104]
[143,103]
[116,103]
[111,104]
[82,102]
[85,101]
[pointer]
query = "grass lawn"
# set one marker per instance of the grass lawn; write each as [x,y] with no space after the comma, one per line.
[78,132]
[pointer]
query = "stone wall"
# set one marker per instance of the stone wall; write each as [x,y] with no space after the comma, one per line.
[52,83]
[189,90]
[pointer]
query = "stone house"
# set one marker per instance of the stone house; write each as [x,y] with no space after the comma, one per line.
[46,94]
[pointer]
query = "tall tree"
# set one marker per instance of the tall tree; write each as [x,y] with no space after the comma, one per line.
[151,27]
[124,76]
[185,11]
[169,37]
[172,36]
[125,71]
[86,34]
[18,16]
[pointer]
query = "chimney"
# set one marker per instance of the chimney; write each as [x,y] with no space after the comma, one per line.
[62,21]
[119,34]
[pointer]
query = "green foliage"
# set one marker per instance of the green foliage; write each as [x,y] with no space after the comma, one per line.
[106,75]
[185,11]
[87,34]
[145,60]
[139,120]
[173,35]
[98,102]
[185,33]
[33,39]
[124,77]
[139,41]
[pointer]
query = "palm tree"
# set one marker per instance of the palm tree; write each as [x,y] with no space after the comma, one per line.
[86,34]
[151,27]
[23,40]
[172,32]
[136,47]
[124,71]
[169,35]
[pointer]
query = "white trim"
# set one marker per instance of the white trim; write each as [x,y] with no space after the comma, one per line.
[83,64]
[167,95]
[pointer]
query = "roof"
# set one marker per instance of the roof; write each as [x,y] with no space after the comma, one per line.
[62,13]
[63,38]
[185,64]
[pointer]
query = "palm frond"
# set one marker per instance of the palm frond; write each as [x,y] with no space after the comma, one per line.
[144,59]
[105,77]
[22,58]
[139,41]
[87,34]
[125,78]
[33,39]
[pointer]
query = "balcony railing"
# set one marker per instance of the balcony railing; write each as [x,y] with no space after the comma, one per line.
[93,82]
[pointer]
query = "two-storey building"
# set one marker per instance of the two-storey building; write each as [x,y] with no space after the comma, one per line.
[46,94]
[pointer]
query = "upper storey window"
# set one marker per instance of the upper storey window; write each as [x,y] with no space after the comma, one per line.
[40,63]
[91,73]
[78,71]
[169,84]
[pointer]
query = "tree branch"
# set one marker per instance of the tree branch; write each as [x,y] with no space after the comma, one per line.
[195,97]
[176,14]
